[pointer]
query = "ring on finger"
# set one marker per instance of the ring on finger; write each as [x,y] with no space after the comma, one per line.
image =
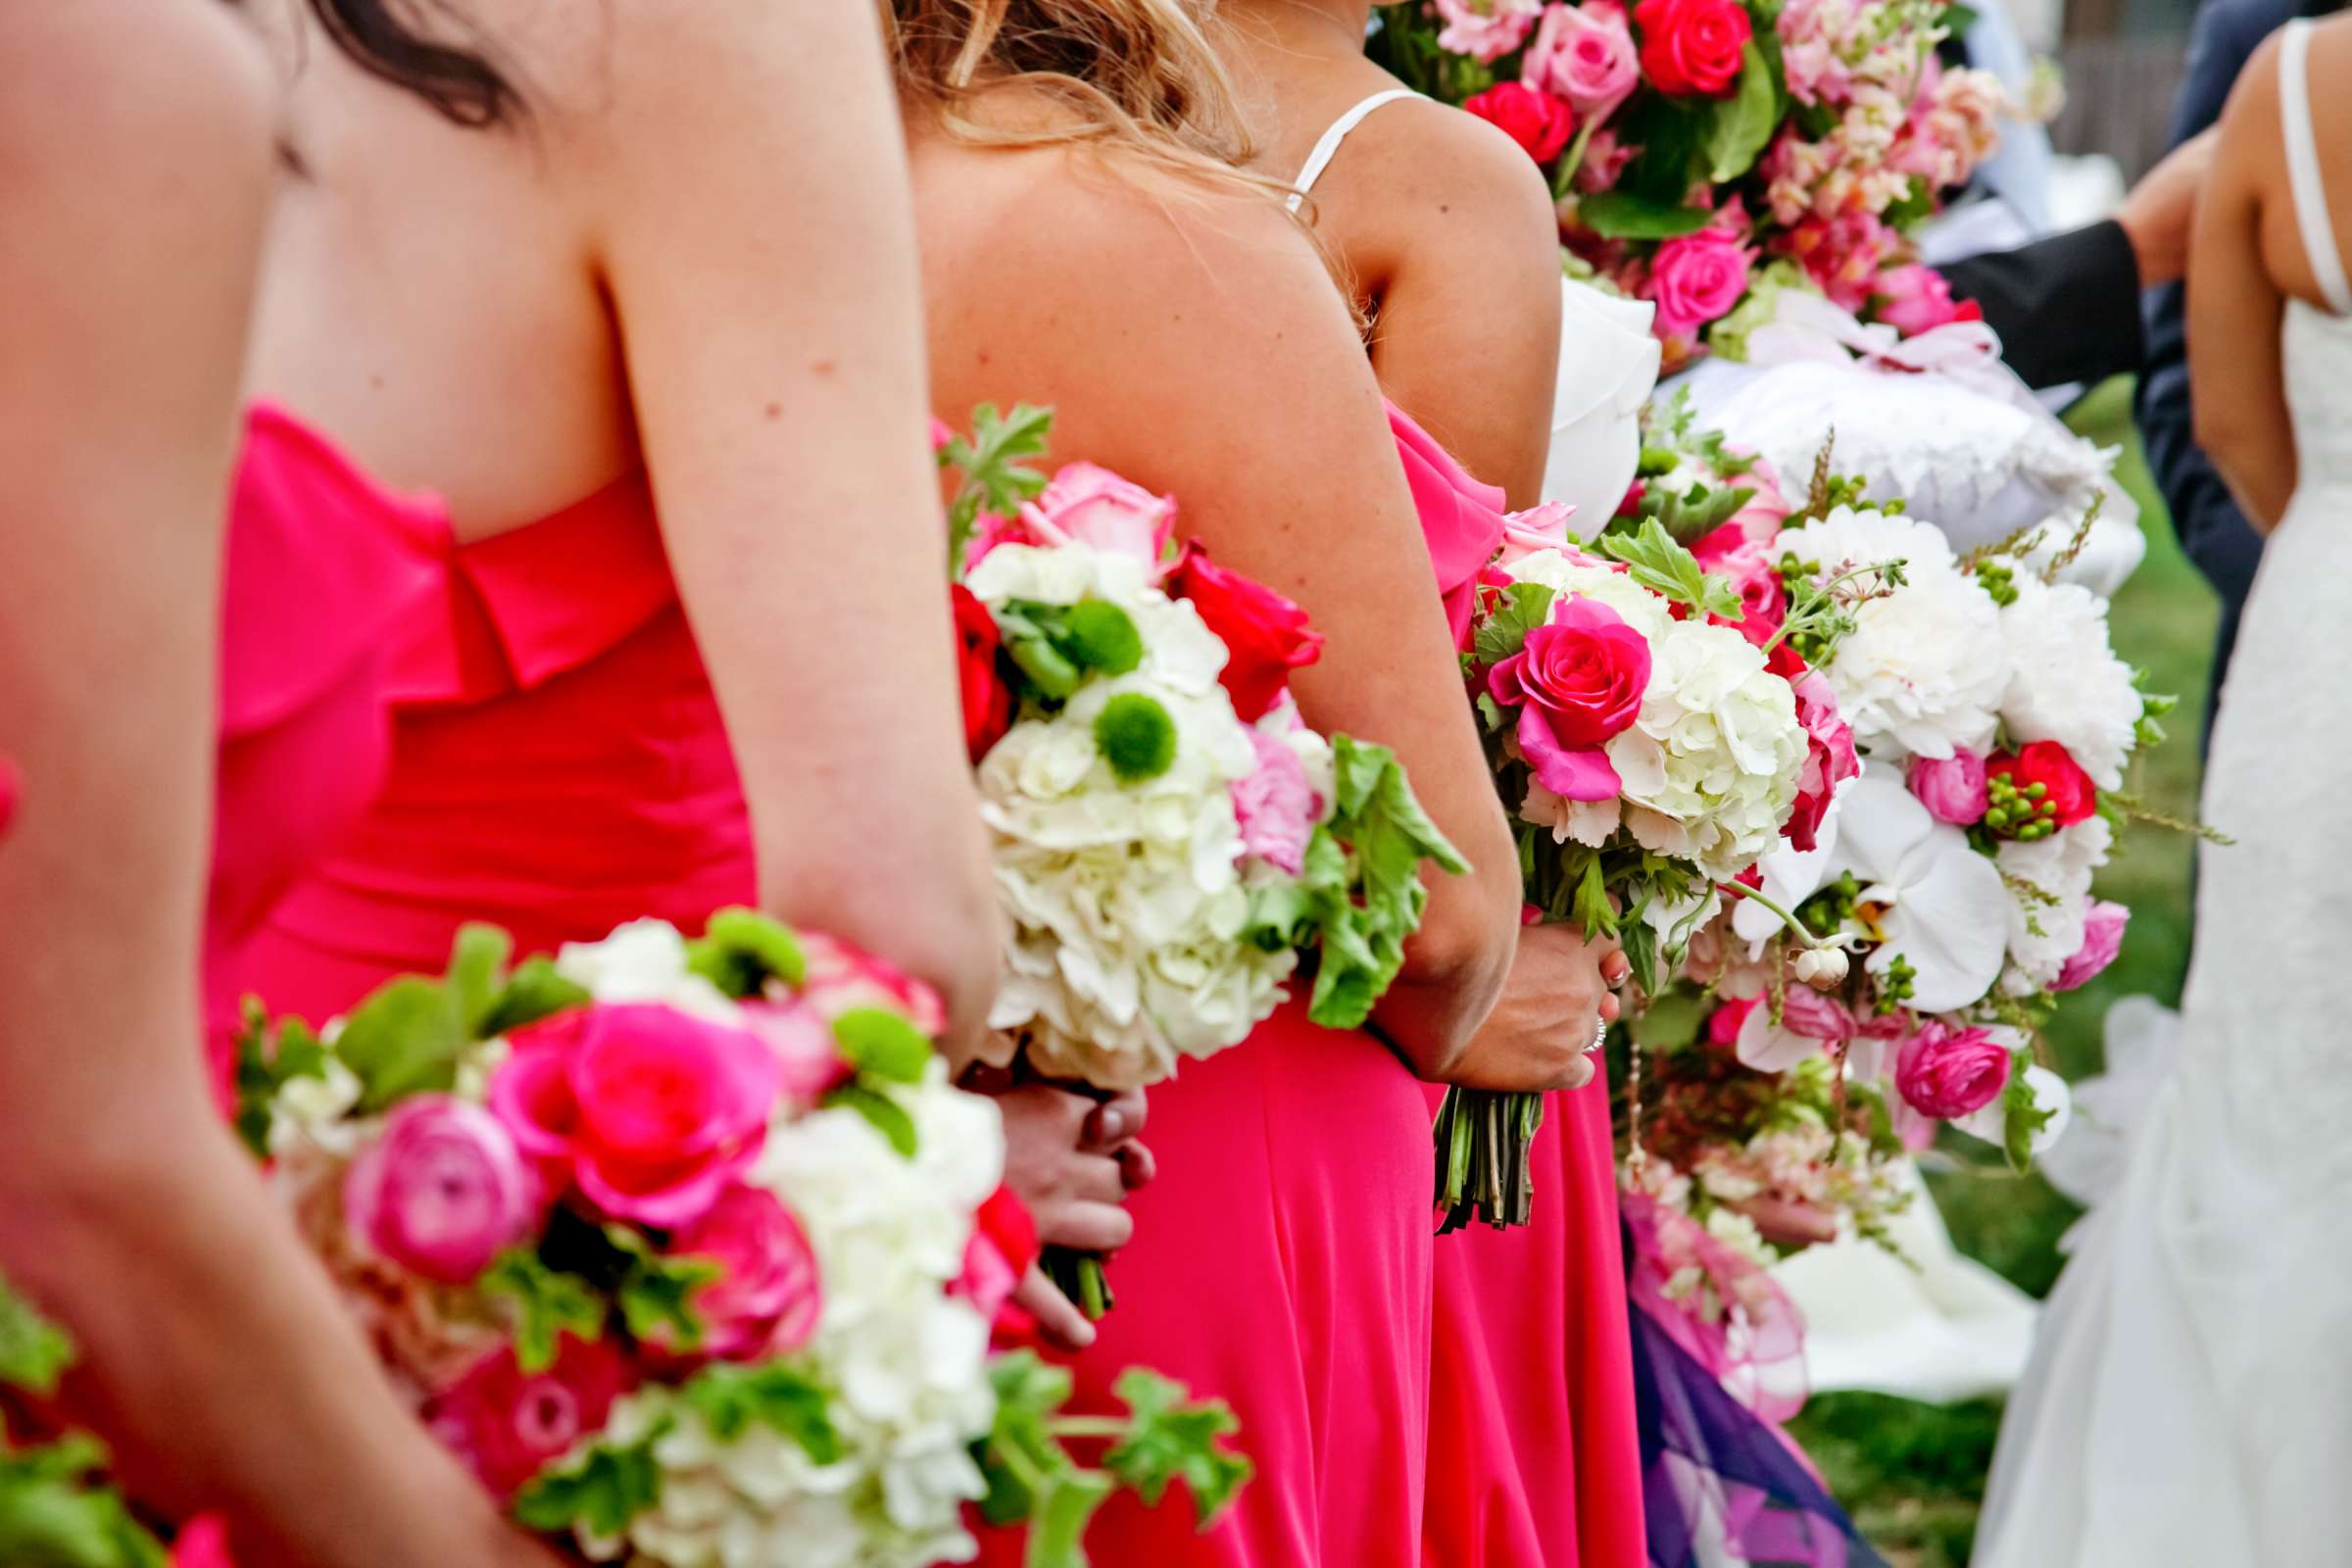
[1601,1037]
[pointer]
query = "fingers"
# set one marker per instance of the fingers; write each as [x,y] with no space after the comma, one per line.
[1059,1321]
[1615,968]
[1088,1227]
[1579,1072]
[1137,1166]
[1114,1122]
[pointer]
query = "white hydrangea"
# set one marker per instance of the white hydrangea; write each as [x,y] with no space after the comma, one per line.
[2050,895]
[641,962]
[1647,613]
[1924,672]
[2065,682]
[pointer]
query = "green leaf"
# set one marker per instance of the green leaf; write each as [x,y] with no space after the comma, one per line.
[1170,1438]
[33,1351]
[1744,122]
[2022,1116]
[264,1067]
[477,968]
[1020,1454]
[888,1116]
[1057,1527]
[741,950]
[52,1517]
[732,1399]
[1503,630]
[881,1044]
[1029,641]
[600,1493]
[534,991]
[1622,215]
[549,1305]
[404,1040]
[994,477]
[1657,563]
[657,1299]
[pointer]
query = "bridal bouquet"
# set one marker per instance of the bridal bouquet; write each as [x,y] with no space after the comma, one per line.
[689,1250]
[1170,838]
[1707,153]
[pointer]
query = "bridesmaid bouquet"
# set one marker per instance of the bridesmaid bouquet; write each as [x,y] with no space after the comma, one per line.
[1707,154]
[691,1252]
[1171,839]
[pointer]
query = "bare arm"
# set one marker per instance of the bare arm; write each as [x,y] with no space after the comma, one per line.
[1261,416]
[134,169]
[1468,336]
[756,234]
[2236,382]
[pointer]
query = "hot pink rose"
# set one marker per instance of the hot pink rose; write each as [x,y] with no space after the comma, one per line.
[1002,1246]
[1577,683]
[1948,1073]
[1696,278]
[1724,1023]
[1830,758]
[650,1112]
[1533,118]
[1275,805]
[1693,46]
[509,1425]
[1265,635]
[441,1191]
[1486,30]
[1951,788]
[1092,506]
[1585,55]
[2102,939]
[767,1296]
[1914,299]
[1763,599]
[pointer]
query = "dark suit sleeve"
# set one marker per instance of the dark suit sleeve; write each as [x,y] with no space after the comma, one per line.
[2067,307]
[2216,536]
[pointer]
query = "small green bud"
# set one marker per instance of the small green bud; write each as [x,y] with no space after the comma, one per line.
[1102,637]
[1136,737]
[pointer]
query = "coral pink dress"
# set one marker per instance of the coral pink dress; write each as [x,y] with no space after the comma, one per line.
[1281,1260]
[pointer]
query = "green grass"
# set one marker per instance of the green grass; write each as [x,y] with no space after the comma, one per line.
[1913,1474]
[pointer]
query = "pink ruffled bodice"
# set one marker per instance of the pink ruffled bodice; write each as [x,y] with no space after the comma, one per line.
[1460,518]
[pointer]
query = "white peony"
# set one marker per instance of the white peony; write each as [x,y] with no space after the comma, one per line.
[1924,672]
[2050,895]
[2065,682]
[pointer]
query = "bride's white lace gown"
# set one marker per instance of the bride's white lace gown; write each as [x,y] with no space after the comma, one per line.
[2189,1401]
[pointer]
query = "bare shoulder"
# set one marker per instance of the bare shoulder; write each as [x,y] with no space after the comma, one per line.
[186,85]
[1430,161]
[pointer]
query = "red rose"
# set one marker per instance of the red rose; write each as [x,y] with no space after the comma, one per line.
[1265,635]
[1692,46]
[987,698]
[1531,117]
[508,1425]
[2065,786]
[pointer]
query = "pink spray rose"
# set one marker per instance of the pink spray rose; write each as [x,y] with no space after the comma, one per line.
[509,1425]
[2102,939]
[442,1190]
[1830,758]
[1275,805]
[766,1299]
[1913,299]
[1951,788]
[1696,278]
[1486,30]
[1585,55]
[1578,682]
[1947,1073]
[1092,506]
[650,1112]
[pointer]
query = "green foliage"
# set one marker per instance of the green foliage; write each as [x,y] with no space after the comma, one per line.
[995,480]
[1136,737]
[600,1491]
[477,970]
[1516,609]
[406,1039]
[2022,1116]
[56,1512]
[532,992]
[1057,646]
[657,1293]
[34,1353]
[732,1399]
[1170,1439]
[1744,122]
[741,950]
[268,1060]
[887,1115]
[1663,567]
[1620,214]
[547,1304]
[880,1043]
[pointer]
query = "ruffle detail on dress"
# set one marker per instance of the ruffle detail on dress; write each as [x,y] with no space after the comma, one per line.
[1461,519]
[518,608]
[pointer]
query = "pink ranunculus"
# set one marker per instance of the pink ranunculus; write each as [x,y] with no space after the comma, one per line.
[1948,1073]
[1951,788]
[1577,683]
[509,1425]
[1486,30]
[441,1191]
[2102,939]
[767,1296]
[1830,758]
[650,1112]
[1276,806]
[1585,55]
[808,1060]
[1087,504]
[1265,635]
[1913,299]
[1696,278]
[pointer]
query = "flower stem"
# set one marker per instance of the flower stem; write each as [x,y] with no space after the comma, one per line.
[1575,157]
[1796,926]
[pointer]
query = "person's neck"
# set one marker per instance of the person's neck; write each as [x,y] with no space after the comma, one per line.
[1314,29]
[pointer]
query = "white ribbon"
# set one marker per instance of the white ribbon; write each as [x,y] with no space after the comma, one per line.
[1806,327]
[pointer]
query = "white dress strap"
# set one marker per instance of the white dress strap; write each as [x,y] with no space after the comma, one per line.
[1320,159]
[2303,180]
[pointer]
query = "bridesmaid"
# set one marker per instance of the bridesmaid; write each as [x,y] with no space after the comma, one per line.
[1448,232]
[631,287]
[134,186]
[1088,242]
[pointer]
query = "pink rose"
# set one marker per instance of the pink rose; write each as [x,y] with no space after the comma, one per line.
[1002,1246]
[1761,516]
[1275,805]
[1806,1012]
[1830,758]
[1951,788]
[1089,505]
[766,1299]
[1486,30]
[650,1112]
[1605,158]
[1693,46]
[1763,598]
[808,1060]
[841,977]
[1543,527]
[1585,55]
[1914,299]
[1265,635]
[1578,682]
[509,1425]
[1724,1023]
[1533,118]
[441,1191]
[1948,1073]
[2102,939]
[1696,278]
